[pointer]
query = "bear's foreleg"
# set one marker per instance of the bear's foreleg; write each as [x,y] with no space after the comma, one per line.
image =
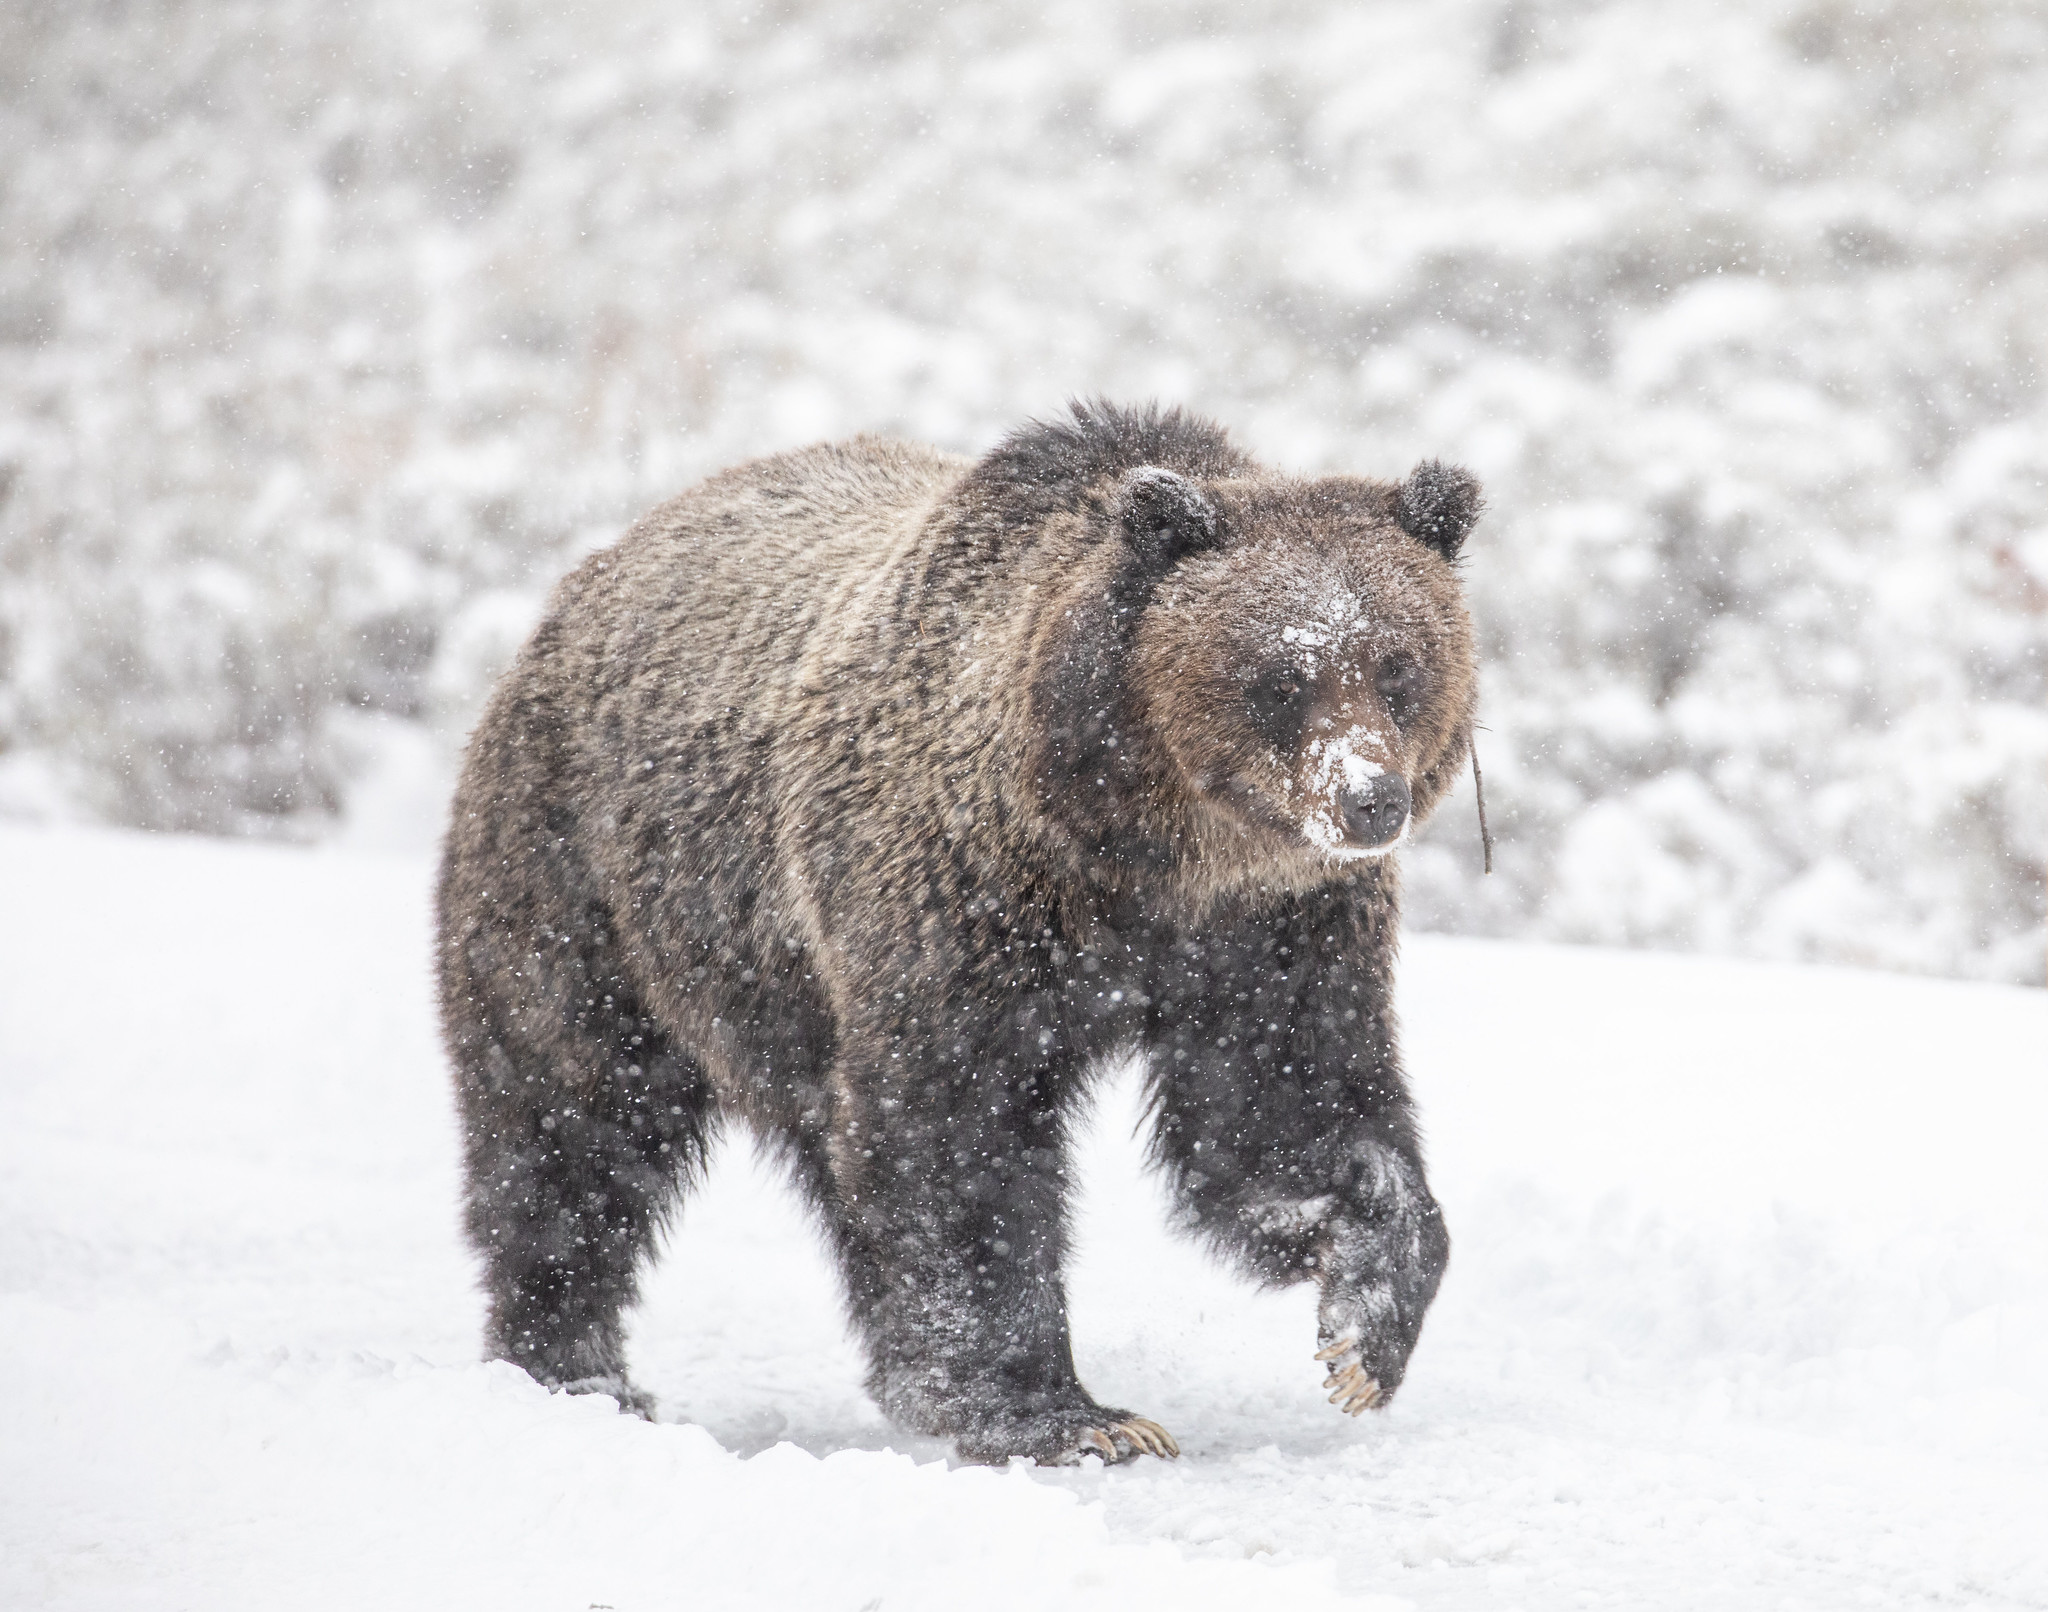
[950,1156]
[1285,1129]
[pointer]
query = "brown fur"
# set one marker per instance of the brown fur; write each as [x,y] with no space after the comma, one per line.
[869,794]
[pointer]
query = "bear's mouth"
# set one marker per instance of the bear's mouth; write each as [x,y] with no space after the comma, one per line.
[1347,852]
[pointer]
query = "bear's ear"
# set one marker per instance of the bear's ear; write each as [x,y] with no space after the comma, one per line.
[1165,516]
[1439,504]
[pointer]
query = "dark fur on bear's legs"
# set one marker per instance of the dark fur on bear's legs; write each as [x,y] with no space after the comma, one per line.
[961,1205]
[564,1211]
[1315,1172]
[580,1125]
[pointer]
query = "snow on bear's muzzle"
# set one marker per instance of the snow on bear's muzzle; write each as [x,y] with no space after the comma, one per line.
[1358,803]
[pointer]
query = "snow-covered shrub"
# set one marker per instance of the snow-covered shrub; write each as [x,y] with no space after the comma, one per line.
[327,336]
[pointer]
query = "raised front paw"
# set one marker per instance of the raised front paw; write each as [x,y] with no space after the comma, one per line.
[1378,1281]
[1366,1339]
[1366,1334]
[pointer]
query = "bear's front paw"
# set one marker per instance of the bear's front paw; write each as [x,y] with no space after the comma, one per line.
[1366,1337]
[1378,1280]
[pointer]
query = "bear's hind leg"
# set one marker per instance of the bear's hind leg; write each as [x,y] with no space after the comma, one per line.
[565,1198]
[581,1129]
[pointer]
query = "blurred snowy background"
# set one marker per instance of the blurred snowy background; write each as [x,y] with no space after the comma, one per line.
[329,335]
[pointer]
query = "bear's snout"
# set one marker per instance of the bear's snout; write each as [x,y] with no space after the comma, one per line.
[1376,814]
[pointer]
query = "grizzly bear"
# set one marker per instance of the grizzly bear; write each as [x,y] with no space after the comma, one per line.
[877,797]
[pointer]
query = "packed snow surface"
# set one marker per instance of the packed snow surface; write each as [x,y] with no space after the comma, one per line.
[1748,1308]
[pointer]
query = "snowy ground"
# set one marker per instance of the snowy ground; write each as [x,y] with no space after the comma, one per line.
[1749,1308]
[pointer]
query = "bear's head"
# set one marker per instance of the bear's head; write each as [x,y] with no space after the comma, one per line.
[1303,665]
[1252,679]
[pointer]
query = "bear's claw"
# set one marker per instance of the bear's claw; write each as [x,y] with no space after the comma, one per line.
[1149,1436]
[1127,1439]
[1347,1379]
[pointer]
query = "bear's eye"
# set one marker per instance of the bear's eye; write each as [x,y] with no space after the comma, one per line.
[1401,685]
[1279,702]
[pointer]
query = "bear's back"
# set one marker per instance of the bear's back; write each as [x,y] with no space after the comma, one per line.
[708,604]
[761,552]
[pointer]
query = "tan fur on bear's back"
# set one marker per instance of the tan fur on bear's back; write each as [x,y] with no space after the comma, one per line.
[728,583]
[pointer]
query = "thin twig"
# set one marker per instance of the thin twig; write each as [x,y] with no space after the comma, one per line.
[1479,789]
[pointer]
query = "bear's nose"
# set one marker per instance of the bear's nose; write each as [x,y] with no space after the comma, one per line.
[1376,814]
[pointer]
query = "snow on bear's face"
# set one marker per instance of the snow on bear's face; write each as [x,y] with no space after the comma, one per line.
[1311,677]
